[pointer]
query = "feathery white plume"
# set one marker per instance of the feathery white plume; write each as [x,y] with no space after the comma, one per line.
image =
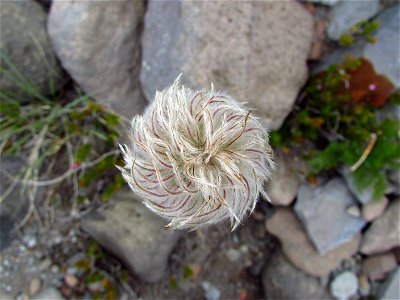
[197,157]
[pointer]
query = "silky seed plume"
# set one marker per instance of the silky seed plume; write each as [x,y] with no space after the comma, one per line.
[197,157]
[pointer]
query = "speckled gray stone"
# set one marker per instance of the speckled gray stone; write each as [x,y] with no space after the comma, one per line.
[254,50]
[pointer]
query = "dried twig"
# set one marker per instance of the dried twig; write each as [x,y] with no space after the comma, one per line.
[366,153]
[66,174]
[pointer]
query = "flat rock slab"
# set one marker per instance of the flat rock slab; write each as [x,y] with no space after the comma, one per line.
[254,50]
[384,233]
[134,234]
[299,249]
[323,212]
[363,196]
[282,280]
[98,44]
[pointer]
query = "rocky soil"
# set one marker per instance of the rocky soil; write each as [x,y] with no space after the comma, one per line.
[315,240]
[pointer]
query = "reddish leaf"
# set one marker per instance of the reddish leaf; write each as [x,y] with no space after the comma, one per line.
[365,85]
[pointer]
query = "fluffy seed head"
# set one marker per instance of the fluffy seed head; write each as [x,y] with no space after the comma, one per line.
[197,157]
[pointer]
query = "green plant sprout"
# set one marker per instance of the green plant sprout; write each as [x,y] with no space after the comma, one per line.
[364,29]
[341,131]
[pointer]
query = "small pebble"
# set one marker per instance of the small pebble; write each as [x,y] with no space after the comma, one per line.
[233,254]
[374,209]
[49,293]
[344,285]
[21,297]
[55,269]
[34,286]
[365,287]
[210,291]
[354,211]
[6,263]
[71,280]
[244,249]
[44,264]
[30,241]
[235,239]
[95,287]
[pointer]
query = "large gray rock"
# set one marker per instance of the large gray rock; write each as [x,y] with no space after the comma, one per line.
[299,249]
[345,14]
[384,233]
[282,280]
[24,41]
[98,44]
[134,234]
[384,54]
[322,211]
[256,51]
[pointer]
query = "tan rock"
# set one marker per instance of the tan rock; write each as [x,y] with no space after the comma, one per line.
[384,233]
[34,286]
[377,266]
[374,209]
[364,286]
[282,187]
[71,280]
[299,249]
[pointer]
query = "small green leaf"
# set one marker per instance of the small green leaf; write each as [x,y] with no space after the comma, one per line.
[346,40]
[187,273]
[173,282]
[83,152]
[111,119]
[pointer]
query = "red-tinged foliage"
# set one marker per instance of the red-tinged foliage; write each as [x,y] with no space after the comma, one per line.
[366,86]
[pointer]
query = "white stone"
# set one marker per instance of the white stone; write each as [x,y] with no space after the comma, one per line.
[344,285]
